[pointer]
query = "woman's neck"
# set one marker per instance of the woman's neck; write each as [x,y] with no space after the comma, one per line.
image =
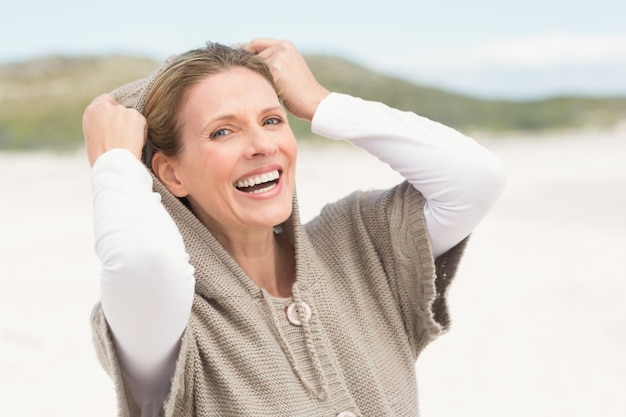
[267,258]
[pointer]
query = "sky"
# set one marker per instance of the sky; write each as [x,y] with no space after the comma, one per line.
[492,49]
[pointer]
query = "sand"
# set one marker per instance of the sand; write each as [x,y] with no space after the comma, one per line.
[539,318]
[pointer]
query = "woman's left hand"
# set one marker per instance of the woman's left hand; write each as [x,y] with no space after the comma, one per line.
[296,84]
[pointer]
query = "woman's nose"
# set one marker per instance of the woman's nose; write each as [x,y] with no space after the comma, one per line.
[261,144]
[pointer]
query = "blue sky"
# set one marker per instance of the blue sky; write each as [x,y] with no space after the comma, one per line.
[526,49]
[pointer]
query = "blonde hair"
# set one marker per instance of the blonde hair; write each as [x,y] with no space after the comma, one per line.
[168,91]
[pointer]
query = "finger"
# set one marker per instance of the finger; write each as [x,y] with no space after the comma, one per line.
[104,98]
[107,97]
[259,45]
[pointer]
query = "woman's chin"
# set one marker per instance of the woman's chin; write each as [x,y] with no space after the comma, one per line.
[277,218]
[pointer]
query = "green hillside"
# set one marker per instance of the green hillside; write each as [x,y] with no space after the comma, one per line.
[42,100]
[467,113]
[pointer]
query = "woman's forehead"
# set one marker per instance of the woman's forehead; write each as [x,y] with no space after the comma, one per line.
[229,93]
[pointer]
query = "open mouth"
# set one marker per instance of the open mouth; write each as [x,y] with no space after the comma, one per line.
[259,183]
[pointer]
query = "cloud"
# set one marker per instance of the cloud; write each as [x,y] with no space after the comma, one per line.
[535,52]
[527,67]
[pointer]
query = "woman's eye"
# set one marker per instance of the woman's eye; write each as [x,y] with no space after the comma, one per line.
[272,121]
[219,133]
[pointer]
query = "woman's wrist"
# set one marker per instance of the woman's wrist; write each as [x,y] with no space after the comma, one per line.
[315,101]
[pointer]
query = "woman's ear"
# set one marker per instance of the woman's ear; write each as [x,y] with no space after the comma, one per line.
[165,169]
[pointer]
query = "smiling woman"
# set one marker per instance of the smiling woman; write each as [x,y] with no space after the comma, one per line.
[216,300]
[235,132]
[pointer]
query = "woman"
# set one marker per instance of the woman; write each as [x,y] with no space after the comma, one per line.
[216,301]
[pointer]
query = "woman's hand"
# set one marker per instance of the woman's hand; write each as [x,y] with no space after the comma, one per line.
[296,84]
[108,125]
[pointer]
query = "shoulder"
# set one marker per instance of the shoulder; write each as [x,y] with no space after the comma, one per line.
[368,225]
[372,209]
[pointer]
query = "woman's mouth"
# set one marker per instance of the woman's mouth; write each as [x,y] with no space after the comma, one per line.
[258,184]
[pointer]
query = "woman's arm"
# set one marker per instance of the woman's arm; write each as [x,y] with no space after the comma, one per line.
[460,179]
[147,282]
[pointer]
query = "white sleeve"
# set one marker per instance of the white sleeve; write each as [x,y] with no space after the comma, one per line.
[460,179]
[147,283]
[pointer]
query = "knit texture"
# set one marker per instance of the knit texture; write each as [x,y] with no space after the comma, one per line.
[377,296]
[365,268]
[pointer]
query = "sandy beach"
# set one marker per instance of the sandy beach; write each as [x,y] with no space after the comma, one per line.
[539,318]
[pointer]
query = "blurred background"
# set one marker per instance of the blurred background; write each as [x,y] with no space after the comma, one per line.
[538,311]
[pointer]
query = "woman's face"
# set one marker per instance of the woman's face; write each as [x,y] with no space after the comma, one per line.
[237,166]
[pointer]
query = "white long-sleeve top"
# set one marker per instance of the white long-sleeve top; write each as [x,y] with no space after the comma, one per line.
[148,283]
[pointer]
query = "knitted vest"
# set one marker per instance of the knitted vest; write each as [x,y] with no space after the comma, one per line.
[376,297]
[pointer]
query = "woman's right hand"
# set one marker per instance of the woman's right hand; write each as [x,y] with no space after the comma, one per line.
[108,125]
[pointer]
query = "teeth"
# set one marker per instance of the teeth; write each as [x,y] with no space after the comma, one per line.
[263,190]
[249,182]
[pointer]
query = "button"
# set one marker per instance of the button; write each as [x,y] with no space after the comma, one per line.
[346,414]
[294,317]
